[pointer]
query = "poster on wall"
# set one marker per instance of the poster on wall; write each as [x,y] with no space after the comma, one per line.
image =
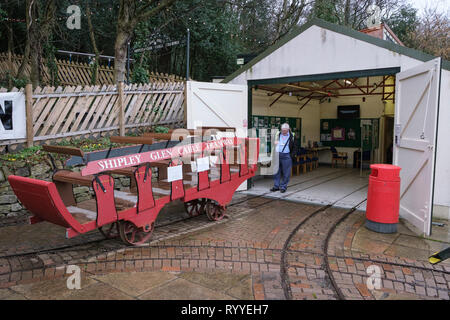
[12,116]
[338,133]
[261,123]
[325,137]
[351,134]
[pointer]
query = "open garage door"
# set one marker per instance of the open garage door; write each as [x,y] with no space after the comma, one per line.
[417,99]
[217,104]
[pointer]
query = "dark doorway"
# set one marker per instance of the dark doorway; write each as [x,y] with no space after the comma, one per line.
[388,139]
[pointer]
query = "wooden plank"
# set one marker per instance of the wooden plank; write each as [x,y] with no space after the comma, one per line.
[167,107]
[84,105]
[29,113]
[44,113]
[64,150]
[92,106]
[167,101]
[105,100]
[158,105]
[130,100]
[73,112]
[55,110]
[178,103]
[135,140]
[143,105]
[121,109]
[155,102]
[161,136]
[112,105]
[67,104]
[136,107]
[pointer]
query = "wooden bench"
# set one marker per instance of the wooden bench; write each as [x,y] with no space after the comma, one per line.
[134,140]
[64,150]
[163,136]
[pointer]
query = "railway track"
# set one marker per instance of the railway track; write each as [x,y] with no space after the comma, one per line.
[101,239]
[105,245]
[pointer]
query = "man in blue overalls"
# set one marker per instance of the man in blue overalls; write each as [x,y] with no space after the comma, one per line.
[285,149]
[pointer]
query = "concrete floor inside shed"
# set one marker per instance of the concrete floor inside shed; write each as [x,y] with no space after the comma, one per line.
[342,187]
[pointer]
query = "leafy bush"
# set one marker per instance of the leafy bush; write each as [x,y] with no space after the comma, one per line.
[161,129]
[140,75]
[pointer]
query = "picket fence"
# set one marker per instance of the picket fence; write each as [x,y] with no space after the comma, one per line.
[83,111]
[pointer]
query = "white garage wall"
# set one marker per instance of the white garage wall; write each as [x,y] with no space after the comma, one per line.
[318,50]
[442,176]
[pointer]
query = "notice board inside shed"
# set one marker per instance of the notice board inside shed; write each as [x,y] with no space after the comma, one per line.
[346,133]
[272,124]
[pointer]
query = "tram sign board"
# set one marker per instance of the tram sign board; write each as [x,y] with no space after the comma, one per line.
[179,151]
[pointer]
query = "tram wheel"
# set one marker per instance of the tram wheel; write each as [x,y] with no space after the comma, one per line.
[135,236]
[195,207]
[215,212]
[110,231]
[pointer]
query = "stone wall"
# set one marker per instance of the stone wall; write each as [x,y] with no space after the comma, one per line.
[9,204]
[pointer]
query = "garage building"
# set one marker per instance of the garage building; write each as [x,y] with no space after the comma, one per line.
[396,101]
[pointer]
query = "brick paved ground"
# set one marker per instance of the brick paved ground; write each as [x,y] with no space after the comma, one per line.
[248,248]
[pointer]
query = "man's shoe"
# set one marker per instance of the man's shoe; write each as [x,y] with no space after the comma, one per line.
[283,190]
[274,189]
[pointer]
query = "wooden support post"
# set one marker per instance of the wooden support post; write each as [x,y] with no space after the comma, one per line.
[121,109]
[29,113]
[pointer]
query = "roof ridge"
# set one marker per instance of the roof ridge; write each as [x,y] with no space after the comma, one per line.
[297,30]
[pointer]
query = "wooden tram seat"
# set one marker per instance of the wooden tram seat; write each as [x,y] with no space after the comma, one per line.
[162,136]
[73,177]
[136,140]
[64,150]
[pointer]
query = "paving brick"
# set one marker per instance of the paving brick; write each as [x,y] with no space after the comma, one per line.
[431,292]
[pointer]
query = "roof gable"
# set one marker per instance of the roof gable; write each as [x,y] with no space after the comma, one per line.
[415,54]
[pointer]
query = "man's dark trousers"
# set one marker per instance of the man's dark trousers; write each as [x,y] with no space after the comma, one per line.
[284,171]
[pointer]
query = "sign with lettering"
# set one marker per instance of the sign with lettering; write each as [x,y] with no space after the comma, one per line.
[202,164]
[12,116]
[155,155]
[174,173]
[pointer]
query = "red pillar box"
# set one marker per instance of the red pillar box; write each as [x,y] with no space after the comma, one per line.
[383,198]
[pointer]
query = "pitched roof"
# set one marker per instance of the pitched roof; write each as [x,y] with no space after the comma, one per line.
[413,53]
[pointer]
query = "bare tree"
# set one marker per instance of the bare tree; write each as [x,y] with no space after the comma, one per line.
[288,15]
[354,13]
[130,14]
[432,33]
[39,21]
[96,64]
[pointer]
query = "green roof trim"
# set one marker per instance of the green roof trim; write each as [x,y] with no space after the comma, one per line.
[413,53]
[328,76]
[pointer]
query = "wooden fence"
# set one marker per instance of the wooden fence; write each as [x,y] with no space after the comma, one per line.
[74,73]
[94,110]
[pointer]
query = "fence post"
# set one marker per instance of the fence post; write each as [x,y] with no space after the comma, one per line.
[121,109]
[29,113]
